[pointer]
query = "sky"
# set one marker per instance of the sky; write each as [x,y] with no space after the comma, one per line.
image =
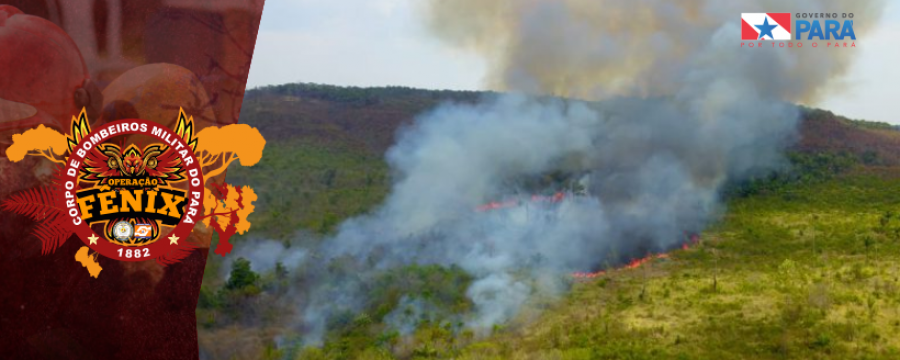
[382,42]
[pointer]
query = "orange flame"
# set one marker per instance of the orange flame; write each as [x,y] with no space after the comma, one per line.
[636,263]
[513,203]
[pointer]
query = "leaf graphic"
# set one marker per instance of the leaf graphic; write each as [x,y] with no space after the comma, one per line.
[227,208]
[40,205]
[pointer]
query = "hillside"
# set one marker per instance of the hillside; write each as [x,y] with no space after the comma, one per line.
[808,272]
[361,119]
[366,119]
[331,141]
[803,266]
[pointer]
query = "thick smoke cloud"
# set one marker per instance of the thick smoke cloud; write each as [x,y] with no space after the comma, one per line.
[679,109]
[595,49]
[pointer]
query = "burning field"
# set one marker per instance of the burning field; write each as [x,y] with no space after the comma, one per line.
[678,114]
[534,219]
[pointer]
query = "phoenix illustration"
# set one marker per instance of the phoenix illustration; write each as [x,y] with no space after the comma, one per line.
[108,160]
[159,161]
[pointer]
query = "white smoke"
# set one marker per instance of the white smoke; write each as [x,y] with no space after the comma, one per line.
[497,297]
[409,313]
[264,255]
[681,109]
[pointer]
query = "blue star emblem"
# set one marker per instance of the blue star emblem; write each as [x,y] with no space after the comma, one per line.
[766,29]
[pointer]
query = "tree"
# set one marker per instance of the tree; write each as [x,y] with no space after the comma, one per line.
[223,145]
[242,276]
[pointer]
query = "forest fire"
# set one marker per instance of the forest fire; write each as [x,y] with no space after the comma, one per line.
[515,202]
[558,197]
[633,264]
[636,263]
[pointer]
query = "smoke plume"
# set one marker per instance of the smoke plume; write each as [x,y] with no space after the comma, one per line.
[675,108]
[594,49]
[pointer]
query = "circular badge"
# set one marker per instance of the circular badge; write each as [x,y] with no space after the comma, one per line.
[147,197]
[123,231]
